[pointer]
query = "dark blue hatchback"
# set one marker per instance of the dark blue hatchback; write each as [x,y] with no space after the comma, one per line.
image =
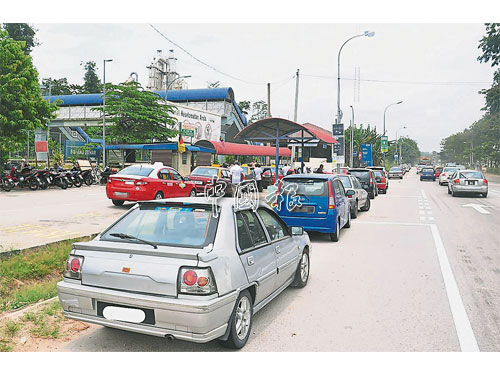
[427,174]
[316,202]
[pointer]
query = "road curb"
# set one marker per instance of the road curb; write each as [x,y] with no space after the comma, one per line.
[9,253]
[15,314]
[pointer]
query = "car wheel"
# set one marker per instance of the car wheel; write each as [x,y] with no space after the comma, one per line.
[366,207]
[485,195]
[348,224]
[158,196]
[354,212]
[302,273]
[335,236]
[453,194]
[440,183]
[241,322]
[449,191]
[192,193]
[117,202]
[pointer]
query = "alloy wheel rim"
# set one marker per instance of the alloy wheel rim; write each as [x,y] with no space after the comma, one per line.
[304,267]
[243,318]
[158,196]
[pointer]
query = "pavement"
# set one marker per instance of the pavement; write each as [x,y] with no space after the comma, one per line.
[32,218]
[419,272]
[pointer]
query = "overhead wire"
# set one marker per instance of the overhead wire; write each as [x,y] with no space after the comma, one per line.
[437,83]
[212,67]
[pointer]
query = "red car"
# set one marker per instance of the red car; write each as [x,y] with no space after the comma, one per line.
[437,171]
[203,176]
[381,179]
[143,182]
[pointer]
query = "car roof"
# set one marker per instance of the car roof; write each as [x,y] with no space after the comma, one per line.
[324,176]
[359,169]
[221,201]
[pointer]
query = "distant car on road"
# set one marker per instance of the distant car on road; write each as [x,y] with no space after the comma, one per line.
[468,182]
[446,174]
[427,174]
[319,203]
[173,269]
[437,171]
[142,182]
[367,179]
[382,181]
[395,172]
[359,201]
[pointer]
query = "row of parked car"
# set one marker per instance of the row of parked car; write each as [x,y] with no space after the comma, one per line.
[457,178]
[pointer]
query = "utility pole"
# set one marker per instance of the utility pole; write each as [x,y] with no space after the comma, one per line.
[351,157]
[269,100]
[104,115]
[295,111]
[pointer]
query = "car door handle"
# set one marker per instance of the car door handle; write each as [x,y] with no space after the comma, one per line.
[277,249]
[250,260]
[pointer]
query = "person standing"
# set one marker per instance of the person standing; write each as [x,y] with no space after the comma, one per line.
[320,169]
[258,177]
[236,172]
[286,168]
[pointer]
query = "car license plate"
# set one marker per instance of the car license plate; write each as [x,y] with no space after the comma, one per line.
[197,182]
[120,194]
[131,314]
[471,182]
[306,209]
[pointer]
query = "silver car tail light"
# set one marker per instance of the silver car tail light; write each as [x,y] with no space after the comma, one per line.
[194,280]
[73,268]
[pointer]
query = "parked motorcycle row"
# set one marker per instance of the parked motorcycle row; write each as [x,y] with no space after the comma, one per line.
[22,176]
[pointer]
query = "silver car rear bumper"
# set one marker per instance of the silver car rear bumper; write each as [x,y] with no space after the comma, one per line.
[470,188]
[182,318]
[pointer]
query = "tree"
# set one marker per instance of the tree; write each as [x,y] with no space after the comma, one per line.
[137,115]
[490,45]
[244,106]
[60,87]
[213,84]
[22,107]
[259,111]
[92,84]
[24,33]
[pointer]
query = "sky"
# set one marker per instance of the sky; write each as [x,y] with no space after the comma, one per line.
[432,68]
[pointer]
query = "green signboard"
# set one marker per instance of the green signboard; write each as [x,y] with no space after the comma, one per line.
[384,143]
[187,132]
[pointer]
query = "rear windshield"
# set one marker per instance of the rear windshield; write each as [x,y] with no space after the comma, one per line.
[345,181]
[204,172]
[362,175]
[471,174]
[306,186]
[378,173]
[427,170]
[395,169]
[167,225]
[449,169]
[137,170]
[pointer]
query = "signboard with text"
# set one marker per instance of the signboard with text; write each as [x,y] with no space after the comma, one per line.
[384,143]
[196,124]
[366,154]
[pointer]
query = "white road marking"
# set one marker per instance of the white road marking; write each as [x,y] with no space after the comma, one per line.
[466,338]
[422,218]
[421,212]
[391,223]
[431,218]
[423,194]
[478,207]
[429,212]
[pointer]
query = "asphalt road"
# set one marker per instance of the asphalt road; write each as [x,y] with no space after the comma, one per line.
[418,272]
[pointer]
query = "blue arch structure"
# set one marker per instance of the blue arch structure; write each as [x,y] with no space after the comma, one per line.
[195,95]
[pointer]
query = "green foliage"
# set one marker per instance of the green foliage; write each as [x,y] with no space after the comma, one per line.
[137,115]
[490,45]
[407,148]
[259,111]
[92,84]
[11,328]
[22,107]
[60,87]
[30,294]
[24,33]
[244,106]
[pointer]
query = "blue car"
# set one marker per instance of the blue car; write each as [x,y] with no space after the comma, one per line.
[427,174]
[316,202]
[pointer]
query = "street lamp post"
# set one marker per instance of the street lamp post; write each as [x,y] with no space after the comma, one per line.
[353,126]
[170,84]
[386,110]
[104,115]
[339,116]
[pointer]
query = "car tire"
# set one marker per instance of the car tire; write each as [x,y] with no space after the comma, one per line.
[159,195]
[192,193]
[484,195]
[243,312]
[354,212]
[449,191]
[453,194]
[302,272]
[117,202]
[433,179]
[367,205]
[440,183]
[335,236]
[348,224]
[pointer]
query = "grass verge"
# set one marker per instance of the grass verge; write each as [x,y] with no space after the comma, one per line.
[31,276]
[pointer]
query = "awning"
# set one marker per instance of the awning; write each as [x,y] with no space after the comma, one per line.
[228,148]
[157,146]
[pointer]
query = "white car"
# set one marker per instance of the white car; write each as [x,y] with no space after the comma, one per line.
[446,174]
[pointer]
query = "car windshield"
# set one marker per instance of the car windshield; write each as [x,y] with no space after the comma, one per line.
[448,170]
[137,170]
[345,181]
[245,170]
[167,225]
[362,175]
[471,174]
[309,187]
[204,172]
[395,169]
[378,173]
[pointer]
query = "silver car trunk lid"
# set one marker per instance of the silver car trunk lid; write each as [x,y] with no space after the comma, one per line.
[136,268]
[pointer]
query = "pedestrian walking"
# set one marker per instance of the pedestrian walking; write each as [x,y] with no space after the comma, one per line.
[258,177]
[236,172]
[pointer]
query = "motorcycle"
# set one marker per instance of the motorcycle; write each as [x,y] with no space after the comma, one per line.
[58,179]
[25,177]
[105,175]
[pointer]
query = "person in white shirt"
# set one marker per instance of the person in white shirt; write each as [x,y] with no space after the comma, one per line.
[286,168]
[258,177]
[236,172]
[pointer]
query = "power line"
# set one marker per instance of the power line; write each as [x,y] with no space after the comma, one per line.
[212,67]
[449,83]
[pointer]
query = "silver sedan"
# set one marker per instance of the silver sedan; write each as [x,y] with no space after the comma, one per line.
[360,201]
[184,268]
[468,182]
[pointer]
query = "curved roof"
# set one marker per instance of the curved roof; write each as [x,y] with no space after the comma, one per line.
[267,129]
[196,95]
[242,149]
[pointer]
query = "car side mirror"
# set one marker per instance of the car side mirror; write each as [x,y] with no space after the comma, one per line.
[349,193]
[297,231]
